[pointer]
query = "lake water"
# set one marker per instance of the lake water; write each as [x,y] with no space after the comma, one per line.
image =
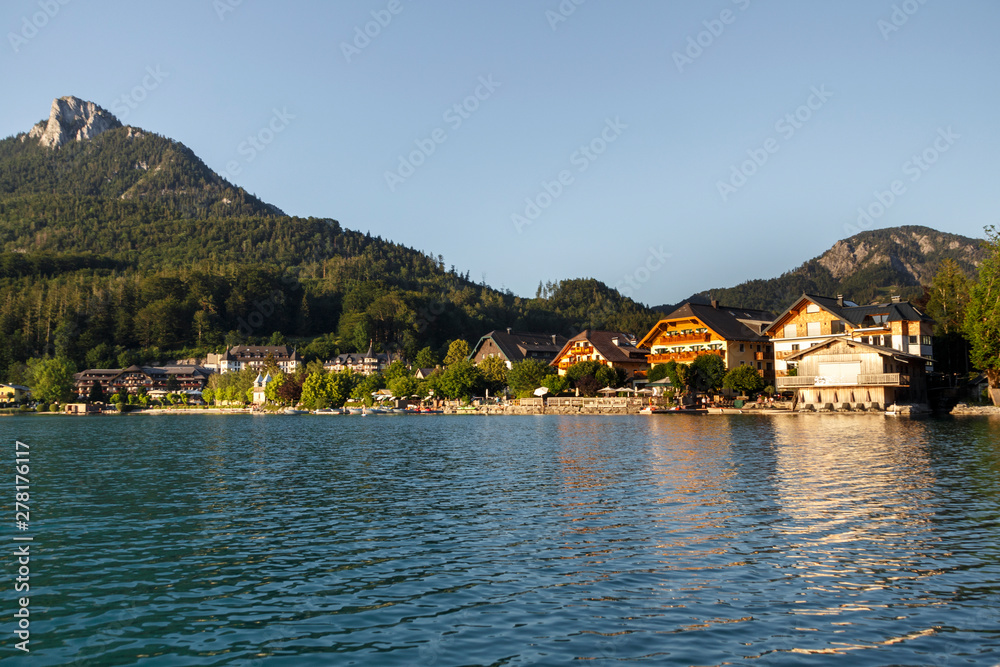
[437,540]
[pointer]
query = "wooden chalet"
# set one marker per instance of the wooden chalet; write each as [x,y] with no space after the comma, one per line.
[735,334]
[610,348]
[845,374]
[813,319]
[512,346]
[176,378]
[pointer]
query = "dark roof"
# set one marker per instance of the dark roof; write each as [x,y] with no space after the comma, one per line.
[881,349]
[730,323]
[624,352]
[860,316]
[516,345]
[280,352]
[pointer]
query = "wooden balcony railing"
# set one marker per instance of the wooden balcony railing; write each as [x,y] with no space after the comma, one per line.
[867,379]
[684,357]
[667,339]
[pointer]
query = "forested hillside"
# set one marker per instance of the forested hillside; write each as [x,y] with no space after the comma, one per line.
[870,266]
[126,248]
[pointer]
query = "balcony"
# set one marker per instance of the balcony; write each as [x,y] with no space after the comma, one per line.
[668,339]
[684,357]
[759,356]
[863,380]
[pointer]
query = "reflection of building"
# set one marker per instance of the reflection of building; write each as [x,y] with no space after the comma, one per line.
[512,346]
[843,374]
[609,348]
[365,364]
[166,378]
[813,319]
[255,356]
[735,334]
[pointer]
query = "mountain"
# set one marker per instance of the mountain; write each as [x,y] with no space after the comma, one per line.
[82,150]
[867,267]
[120,246]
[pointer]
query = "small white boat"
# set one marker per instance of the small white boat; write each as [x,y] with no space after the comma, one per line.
[327,411]
[293,411]
[355,411]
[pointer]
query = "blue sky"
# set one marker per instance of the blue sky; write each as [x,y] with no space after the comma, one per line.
[661,147]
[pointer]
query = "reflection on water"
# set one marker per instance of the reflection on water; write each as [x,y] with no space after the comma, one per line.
[674,539]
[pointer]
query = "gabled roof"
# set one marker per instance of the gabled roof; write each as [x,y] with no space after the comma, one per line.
[624,352]
[515,345]
[856,315]
[880,349]
[280,352]
[745,324]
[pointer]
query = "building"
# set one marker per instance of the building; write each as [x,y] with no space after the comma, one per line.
[813,319]
[260,387]
[610,348]
[131,379]
[14,393]
[255,356]
[512,346]
[365,364]
[735,334]
[844,374]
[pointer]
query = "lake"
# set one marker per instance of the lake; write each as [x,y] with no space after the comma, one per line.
[440,540]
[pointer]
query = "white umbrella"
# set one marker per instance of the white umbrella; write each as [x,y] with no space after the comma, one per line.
[607,390]
[541,391]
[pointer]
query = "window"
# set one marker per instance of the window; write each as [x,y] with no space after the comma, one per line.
[758,348]
[741,347]
[912,340]
[767,348]
[759,365]
[837,327]
[743,363]
[925,340]
[790,331]
[795,347]
[812,308]
[769,366]
[864,339]
[814,328]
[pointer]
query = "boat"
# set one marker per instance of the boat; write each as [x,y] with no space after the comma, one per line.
[327,411]
[293,411]
[355,411]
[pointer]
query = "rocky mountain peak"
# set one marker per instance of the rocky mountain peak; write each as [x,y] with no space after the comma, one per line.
[73,119]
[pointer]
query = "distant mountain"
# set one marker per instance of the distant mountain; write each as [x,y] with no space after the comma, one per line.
[118,245]
[867,267]
[83,150]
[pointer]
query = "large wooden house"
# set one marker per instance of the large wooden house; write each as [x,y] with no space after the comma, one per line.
[735,334]
[513,346]
[845,374]
[610,348]
[150,378]
[813,319]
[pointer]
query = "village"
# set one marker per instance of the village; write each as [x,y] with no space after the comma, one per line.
[822,354]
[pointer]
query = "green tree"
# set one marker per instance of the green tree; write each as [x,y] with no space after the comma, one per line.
[494,370]
[426,358]
[658,372]
[404,386]
[457,351]
[525,376]
[949,298]
[707,370]
[396,369]
[743,380]
[982,318]
[461,380]
[51,379]
[96,393]
[208,395]
[556,384]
